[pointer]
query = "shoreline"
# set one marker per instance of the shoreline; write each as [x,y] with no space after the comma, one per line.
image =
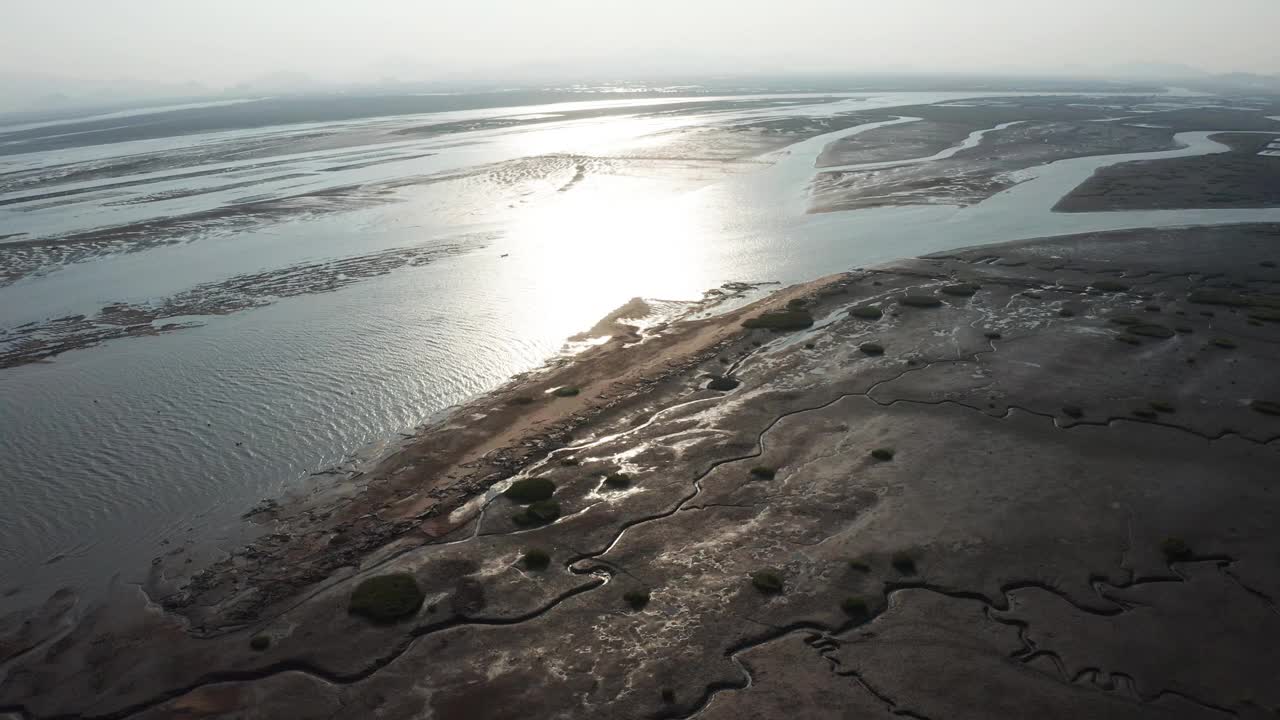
[416,493]
[1019,408]
[273,452]
[424,492]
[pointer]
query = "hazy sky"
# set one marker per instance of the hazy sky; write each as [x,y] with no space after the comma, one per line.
[222,42]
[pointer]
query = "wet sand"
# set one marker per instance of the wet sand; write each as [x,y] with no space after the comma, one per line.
[1069,507]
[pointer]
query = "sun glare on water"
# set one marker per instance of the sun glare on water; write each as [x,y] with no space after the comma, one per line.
[612,239]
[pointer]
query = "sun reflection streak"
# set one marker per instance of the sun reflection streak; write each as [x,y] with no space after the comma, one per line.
[609,240]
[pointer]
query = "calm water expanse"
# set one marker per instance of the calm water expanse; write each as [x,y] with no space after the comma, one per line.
[352,268]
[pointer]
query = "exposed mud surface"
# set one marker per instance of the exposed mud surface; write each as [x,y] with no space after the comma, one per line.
[739,142]
[1242,178]
[25,258]
[946,124]
[1008,512]
[37,341]
[896,165]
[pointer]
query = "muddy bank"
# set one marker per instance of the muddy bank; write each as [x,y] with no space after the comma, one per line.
[975,174]
[894,165]
[1242,178]
[1044,470]
[38,256]
[943,125]
[43,340]
[417,495]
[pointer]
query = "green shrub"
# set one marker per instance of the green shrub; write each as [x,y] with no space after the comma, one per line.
[1266,407]
[536,559]
[1066,313]
[768,582]
[871,348]
[723,384]
[920,301]
[617,480]
[1224,343]
[992,335]
[386,598]
[529,490]
[260,642]
[761,472]
[1175,550]
[522,400]
[883,454]
[903,563]
[1152,331]
[1163,407]
[867,312]
[960,290]
[780,320]
[1110,286]
[1073,411]
[1145,413]
[566,391]
[1125,320]
[855,607]
[543,511]
[637,599]
[668,696]
[859,566]
[1217,296]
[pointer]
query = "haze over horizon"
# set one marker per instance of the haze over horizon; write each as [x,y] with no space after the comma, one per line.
[149,47]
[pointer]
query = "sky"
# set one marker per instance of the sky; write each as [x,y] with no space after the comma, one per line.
[214,45]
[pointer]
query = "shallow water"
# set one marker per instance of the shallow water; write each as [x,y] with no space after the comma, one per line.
[107,452]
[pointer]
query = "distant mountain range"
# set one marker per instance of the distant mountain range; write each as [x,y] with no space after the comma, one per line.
[1156,71]
[1195,77]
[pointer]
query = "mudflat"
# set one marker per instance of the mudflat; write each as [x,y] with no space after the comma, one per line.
[1245,177]
[1035,479]
[1023,133]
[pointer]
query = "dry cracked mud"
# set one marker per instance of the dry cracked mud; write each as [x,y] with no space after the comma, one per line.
[1059,524]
